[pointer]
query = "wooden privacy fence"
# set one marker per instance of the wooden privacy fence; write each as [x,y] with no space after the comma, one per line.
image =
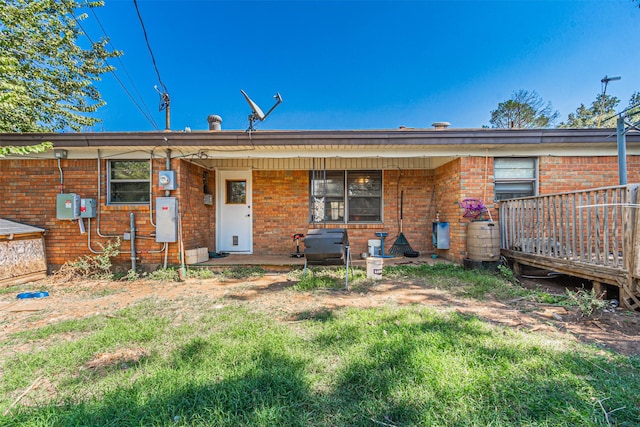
[591,233]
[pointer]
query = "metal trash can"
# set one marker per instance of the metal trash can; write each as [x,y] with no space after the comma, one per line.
[324,246]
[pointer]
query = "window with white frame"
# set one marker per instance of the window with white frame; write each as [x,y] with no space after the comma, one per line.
[346,196]
[129,182]
[515,177]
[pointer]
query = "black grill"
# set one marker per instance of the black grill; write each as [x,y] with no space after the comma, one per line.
[326,246]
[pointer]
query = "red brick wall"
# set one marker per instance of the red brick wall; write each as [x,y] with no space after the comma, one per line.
[556,174]
[476,183]
[418,208]
[463,178]
[198,219]
[447,196]
[562,174]
[28,190]
[281,209]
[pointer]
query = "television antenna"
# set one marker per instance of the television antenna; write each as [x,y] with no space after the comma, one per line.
[605,81]
[256,112]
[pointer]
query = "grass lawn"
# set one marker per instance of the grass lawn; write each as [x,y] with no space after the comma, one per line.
[231,364]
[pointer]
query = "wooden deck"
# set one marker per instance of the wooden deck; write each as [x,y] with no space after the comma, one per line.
[593,234]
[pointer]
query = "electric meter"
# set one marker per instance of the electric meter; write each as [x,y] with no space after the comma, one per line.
[167,180]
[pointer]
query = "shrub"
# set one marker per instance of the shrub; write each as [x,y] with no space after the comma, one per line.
[164,275]
[200,273]
[94,266]
[587,301]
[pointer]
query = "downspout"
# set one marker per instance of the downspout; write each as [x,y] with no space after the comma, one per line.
[133,241]
[151,190]
[167,166]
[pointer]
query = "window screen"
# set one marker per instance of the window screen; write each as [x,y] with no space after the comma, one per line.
[346,196]
[129,182]
[515,177]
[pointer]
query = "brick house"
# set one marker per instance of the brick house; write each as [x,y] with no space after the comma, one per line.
[249,193]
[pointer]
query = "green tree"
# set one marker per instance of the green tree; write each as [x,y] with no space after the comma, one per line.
[633,110]
[523,110]
[46,77]
[601,114]
[7,150]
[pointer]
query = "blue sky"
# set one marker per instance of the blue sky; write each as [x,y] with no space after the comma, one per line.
[361,64]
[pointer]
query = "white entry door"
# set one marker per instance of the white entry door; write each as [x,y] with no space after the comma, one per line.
[234,223]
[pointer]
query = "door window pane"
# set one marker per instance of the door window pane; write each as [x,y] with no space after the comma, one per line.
[236,192]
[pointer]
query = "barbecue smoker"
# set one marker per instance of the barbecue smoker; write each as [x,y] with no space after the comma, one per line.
[326,246]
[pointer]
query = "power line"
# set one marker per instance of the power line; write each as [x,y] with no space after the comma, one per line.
[86,34]
[165,102]
[629,115]
[146,39]
[145,113]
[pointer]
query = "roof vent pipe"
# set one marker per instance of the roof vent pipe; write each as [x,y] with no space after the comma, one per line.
[440,125]
[215,122]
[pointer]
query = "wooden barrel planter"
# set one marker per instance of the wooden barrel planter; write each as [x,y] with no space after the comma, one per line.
[483,241]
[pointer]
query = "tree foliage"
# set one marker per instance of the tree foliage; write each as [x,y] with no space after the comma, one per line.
[633,110]
[8,150]
[601,114]
[46,77]
[524,109]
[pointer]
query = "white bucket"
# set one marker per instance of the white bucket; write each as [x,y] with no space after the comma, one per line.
[374,247]
[374,268]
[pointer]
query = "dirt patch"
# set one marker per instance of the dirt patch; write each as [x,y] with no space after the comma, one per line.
[614,328]
[118,359]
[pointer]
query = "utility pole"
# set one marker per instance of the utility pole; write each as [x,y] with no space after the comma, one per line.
[167,113]
[165,104]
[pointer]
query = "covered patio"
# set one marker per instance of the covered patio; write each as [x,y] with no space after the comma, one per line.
[282,263]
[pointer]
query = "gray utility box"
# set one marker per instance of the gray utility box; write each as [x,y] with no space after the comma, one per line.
[440,235]
[166,219]
[68,206]
[326,246]
[87,208]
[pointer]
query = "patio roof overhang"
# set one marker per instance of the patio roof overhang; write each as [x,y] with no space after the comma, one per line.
[441,144]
